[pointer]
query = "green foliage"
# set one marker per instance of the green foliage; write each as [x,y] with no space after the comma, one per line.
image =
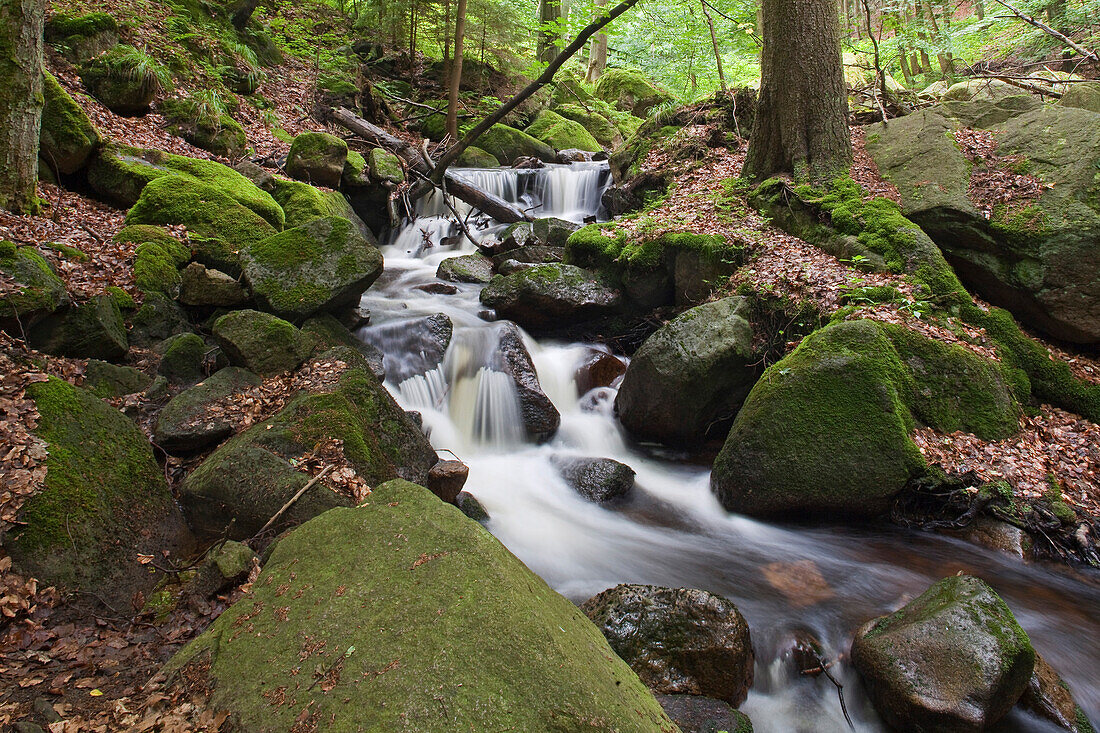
[134,64]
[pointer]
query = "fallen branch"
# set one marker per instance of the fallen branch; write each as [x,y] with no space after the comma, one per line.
[290,502]
[1051,31]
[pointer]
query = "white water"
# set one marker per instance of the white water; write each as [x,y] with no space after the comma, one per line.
[673,532]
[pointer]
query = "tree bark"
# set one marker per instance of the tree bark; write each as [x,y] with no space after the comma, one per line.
[456,70]
[714,44]
[550,13]
[597,52]
[21,102]
[802,118]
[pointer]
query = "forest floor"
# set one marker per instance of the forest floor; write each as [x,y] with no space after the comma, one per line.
[80,669]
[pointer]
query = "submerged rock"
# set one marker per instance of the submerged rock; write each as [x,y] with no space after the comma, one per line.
[393,589]
[952,659]
[690,377]
[678,640]
[412,347]
[596,479]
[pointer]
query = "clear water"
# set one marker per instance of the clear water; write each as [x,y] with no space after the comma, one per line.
[826,580]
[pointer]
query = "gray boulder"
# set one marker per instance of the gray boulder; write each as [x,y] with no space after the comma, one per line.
[104,379]
[540,417]
[678,640]
[953,659]
[550,296]
[597,479]
[92,330]
[261,342]
[201,285]
[187,422]
[689,379]
[411,347]
[472,268]
[696,714]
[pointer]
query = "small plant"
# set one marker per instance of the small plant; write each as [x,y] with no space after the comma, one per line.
[127,62]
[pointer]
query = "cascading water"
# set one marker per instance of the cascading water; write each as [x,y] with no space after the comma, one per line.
[821,580]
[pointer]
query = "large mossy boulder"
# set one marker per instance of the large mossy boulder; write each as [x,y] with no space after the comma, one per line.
[104,500]
[630,91]
[219,226]
[1082,96]
[190,422]
[157,258]
[953,659]
[319,266]
[507,145]
[678,640]
[67,137]
[303,203]
[547,297]
[106,380]
[38,290]
[605,133]
[318,158]
[91,330]
[81,37]
[121,81]
[475,157]
[247,480]
[689,379]
[395,589]
[1037,258]
[561,133]
[120,173]
[261,342]
[825,431]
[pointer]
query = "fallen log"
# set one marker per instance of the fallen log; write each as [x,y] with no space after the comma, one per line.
[484,201]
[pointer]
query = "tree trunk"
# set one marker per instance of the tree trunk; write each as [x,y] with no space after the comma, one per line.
[456,70]
[597,52]
[20,102]
[802,118]
[550,13]
[714,43]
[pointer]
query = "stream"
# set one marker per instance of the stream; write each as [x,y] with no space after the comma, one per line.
[825,580]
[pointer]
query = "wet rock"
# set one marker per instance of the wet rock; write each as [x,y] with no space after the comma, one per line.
[508,266]
[318,158]
[260,342]
[534,655]
[187,423]
[92,330]
[599,369]
[320,266]
[597,479]
[540,418]
[696,714]
[997,535]
[532,254]
[1049,697]
[547,231]
[678,640]
[952,659]
[801,654]
[411,347]
[437,288]
[204,286]
[574,155]
[471,507]
[552,296]
[246,480]
[472,268]
[104,379]
[690,377]
[446,479]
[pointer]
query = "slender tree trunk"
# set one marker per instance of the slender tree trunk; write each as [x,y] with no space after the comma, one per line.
[597,51]
[20,102]
[802,117]
[456,70]
[714,43]
[550,14]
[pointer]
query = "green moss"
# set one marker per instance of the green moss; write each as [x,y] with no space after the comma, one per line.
[561,133]
[630,91]
[122,299]
[69,253]
[155,270]
[507,144]
[303,203]
[215,131]
[182,362]
[41,289]
[104,379]
[475,157]
[261,342]
[63,25]
[124,79]
[605,246]
[67,136]
[385,166]
[596,124]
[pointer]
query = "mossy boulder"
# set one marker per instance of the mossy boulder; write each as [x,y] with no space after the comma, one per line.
[261,342]
[825,431]
[82,37]
[1038,258]
[319,266]
[475,157]
[689,379]
[317,157]
[405,577]
[630,91]
[104,379]
[217,133]
[680,268]
[188,422]
[561,133]
[120,173]
[158,318]
[251,476]
[550,296]
[507,145]
[1082,96]
[965,91]
[471,268]
[304,203]
[67,137]
[328,333]
[103,502]
[119,82]
[182,358]
[952,659]
[606,134]
[220,227]
[385,167]
[38,291]
[91,330]
[156,260]
[205,286]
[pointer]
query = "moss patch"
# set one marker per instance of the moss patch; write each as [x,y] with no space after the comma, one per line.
[39,289]
[507,144]
[67,136]
[561,133]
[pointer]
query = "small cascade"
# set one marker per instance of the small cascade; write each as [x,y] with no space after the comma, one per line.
[571,192]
